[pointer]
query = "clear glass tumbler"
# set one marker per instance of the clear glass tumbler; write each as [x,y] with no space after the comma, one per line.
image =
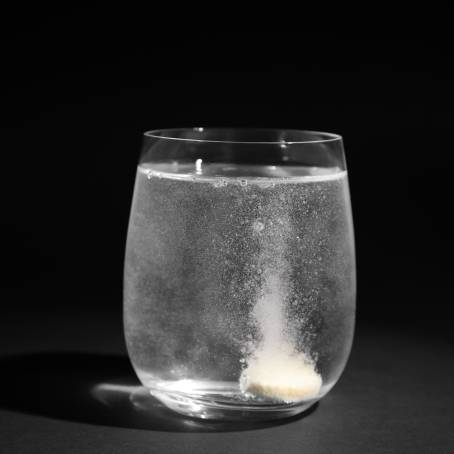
[239,296]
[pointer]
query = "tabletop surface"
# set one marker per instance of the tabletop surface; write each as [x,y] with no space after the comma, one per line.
[67,382]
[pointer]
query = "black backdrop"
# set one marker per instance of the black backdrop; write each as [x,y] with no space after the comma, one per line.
[78,90]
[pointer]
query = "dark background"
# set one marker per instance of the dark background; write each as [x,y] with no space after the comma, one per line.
[80,87]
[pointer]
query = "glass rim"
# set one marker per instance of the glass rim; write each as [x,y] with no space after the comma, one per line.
[319,137]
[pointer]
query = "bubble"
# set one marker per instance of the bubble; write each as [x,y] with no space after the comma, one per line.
[149,174]
[224,182]
[243,182]
[258,226]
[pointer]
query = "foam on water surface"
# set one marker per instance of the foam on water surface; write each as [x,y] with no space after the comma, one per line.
[222,174]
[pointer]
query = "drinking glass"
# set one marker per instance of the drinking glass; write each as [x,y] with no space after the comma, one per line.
[239,290]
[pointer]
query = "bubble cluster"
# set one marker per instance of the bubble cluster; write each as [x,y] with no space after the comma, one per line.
[221,269]
[258,226]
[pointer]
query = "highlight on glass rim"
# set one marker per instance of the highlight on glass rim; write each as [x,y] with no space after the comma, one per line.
[239,295]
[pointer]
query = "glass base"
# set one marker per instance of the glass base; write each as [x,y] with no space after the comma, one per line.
[218,407]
